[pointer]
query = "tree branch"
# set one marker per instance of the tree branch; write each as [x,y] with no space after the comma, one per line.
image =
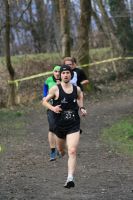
[21,16]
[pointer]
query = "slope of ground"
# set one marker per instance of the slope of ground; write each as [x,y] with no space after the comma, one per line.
[26,173]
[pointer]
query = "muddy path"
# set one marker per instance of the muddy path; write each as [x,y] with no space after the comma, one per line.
[26,173]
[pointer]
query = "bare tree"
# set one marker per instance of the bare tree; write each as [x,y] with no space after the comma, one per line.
[83,35]
[109,28]
[64,23]
[56,24]
[124,31]
[7,54]
[41,12]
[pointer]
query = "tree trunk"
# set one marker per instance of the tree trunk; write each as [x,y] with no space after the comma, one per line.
[109,29]
[83,33]
[56,24]
[64,23]
[11,100]
[41,25]
[124,30]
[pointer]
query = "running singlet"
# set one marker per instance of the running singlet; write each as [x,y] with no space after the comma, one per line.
[68,120]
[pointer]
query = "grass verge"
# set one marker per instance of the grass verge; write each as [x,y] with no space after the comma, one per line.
[119,136]
[12,128]
[12,123]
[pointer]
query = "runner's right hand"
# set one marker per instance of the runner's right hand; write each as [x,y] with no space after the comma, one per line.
[57,109]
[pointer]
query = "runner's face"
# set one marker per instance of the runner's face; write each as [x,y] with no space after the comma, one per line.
[67,62]
[66,76]
[56,74]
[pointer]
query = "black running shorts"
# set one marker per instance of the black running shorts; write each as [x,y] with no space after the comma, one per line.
[51,120]
[66,123]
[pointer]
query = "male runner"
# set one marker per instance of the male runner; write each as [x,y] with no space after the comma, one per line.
[49,83]
[67,101]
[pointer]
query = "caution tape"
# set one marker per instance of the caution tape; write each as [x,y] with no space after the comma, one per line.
[50,72]
[29,77]
[108,60]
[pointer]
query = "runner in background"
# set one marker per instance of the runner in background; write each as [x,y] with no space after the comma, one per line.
[79,77]
[49,83]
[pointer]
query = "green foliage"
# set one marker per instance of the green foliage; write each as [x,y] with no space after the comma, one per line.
[120,136]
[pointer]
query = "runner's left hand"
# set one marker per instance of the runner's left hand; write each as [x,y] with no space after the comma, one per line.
[83,111]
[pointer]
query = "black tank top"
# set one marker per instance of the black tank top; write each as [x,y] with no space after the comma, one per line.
[67,101]
[68,120]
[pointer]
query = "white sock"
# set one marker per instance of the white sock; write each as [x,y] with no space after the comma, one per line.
[70,177]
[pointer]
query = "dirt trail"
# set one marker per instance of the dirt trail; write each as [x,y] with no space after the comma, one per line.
[26,173]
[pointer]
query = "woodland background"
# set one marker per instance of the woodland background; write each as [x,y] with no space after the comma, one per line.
[36,34]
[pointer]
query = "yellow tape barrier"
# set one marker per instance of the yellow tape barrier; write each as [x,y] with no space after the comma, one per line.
[108,60]
[49,73]
[29,77]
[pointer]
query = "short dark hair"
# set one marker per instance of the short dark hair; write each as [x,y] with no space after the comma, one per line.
[66,68]
[74,59]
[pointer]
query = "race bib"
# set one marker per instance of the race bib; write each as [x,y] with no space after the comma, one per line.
[68,115]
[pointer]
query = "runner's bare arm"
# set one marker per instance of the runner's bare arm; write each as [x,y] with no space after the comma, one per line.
[51,95]
[84,82]
[80,101]
[80,97]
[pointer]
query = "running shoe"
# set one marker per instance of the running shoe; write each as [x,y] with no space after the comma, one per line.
[61,154]
[53,155]
[69,183]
